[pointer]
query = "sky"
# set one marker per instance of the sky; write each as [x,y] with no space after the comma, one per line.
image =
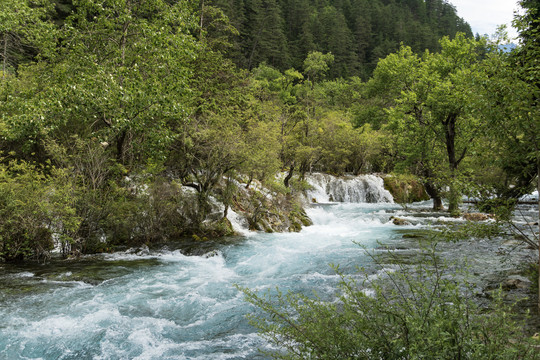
[485,15]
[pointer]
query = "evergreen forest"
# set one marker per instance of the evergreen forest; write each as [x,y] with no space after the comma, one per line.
[358,33]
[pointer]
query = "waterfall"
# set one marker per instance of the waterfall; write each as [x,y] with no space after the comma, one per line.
[351,189]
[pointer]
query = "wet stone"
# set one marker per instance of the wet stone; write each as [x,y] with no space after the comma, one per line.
[516,282]
[399,221]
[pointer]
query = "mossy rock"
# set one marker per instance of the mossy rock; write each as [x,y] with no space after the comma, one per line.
[405,188]
[222,227]
[413,236]
[295,227]
[303,217]
[306,221]
[299,216]
[198,238]
[420,234]
[267,228]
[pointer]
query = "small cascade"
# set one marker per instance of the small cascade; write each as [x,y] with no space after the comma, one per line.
[350,189]
[238,223]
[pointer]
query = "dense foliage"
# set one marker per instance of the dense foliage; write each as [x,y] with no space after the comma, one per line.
[119,114]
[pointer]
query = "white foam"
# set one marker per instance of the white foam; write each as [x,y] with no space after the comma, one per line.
[307,278]
[246,343]
[530,197]
[186,307]
[152,346]
[24,274]
[355,189]
[239,224]
[79,284]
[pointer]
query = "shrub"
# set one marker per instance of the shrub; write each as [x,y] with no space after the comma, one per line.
[160,211]
[34,205]
[413,313]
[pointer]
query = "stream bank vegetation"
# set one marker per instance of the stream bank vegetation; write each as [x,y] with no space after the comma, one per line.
[396,312]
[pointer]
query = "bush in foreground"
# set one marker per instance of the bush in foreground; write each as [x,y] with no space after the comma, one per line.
[411,313]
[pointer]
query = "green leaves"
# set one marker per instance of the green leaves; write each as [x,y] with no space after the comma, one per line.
[412,313]
[24,26]
[33,206]
[132,60]
[433,116]
[317,65]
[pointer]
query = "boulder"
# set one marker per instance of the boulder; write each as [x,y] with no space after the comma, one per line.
[399,221]
[143,251]
[405,188]
[210,254]
[475,217]
[516,282]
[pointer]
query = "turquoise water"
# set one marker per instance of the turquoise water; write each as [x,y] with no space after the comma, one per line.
[167,305]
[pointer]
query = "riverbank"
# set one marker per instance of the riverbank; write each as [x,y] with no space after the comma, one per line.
[143,212]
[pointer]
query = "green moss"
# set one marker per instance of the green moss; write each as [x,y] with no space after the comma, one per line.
[421,234]
[224,227]
[405,188]
[298,215]
[306,221]
[295,227]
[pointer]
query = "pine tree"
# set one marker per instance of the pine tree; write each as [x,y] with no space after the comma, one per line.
[265,40]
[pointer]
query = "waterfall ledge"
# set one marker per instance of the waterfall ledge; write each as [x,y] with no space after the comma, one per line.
[351,189]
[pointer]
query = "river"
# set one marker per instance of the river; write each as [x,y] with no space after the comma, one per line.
[168,304]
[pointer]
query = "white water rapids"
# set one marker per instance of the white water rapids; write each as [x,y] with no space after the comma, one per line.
[168,305]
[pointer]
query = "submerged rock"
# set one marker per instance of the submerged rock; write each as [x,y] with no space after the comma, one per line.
[413,236]
[143,251]
[210,254]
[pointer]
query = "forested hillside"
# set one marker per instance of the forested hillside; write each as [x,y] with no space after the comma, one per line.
[358,33]
[111,110]
[281,33]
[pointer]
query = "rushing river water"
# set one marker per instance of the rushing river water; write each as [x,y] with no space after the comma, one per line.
[168,305]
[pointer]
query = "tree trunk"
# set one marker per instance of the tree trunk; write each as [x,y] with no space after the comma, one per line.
[252,54]
[303,170]
[450,135]
[538,189]
[289,176]
[202,21]
[4,62]
[249,180]
[434,195]
[120,139]
[454,197]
